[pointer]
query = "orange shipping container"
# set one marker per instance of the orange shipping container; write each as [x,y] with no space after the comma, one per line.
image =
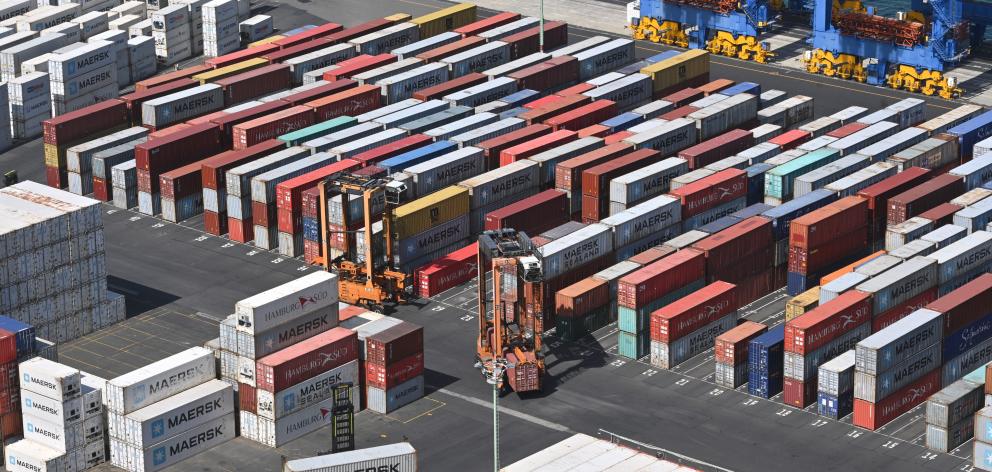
[731,347]
[582,297]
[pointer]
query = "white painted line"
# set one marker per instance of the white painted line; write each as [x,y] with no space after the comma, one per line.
[505,410]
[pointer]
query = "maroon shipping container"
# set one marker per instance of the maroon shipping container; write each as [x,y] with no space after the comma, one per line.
[227,121]
[875,415]
[556,284]
[387,377]
[651,255]
[691,312]
[527,42]
[213,223]
[351,102]
[826,224]
[711,191]
[450,49]
[372,172]
[446,88]
[596,180]
[181,182]
[392,149]
[360,30]
[255,131]
[568,174]
[839,251]
[8,346]
[178,149]
[289,200]
[492,148]
[306,359]
[640,287]
[356,65]
[967,304]
[912,202]
[582,297]
[553,108]
[394,344]
[790,139]
[247,398]
[184,73]
[524,376]
[552,74]
[255,83]
[680,112]
[330,88]
[75,125]
[215,168]
[715,149]
[135,99]
[726,248]
[821,325]
[447,272]
[264,214]
[499,19]
[535,146]
[598,131]
[242,55]
[240,231]
[298,50]
[797,393]
[878,194]
[883,320]
[102,190]
[201,119]
[847,130]
[56,177]
[586,115]
[731,346]
[942,214]
[683,97]
[311,34]
[532,215]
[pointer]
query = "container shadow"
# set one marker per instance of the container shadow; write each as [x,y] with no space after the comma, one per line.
[139,298]
[435,380]
[565,362]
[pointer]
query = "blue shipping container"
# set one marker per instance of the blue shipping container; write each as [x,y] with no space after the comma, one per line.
[835,407]
[743,87]
[783,214]
[621,122]
[720,224]
[971,132]
[751,210]
[756,182]
[310,229]
[520,97]
[766,357]
[633,346]
[299,30]
[661,57]
[511,113]
[23,335]
[763,384]
[416,156]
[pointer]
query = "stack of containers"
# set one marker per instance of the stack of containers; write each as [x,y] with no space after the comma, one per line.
[582,308]
[897,368]
[966,340]
[878,195]
[690,325]
[173,34]
[731,353]
[950,413]
[394,367]
[962,261]
[817,337]
[741,255]
[896,292]
[30,104]
[309,204]
[982,449]
[711,197]
[573,257]
[141,403]
[82,76]
[79,158]
[825,239]
[835,391]
[142,62]
[124,184]
[447,272]
[765,361]
[221,31]
[289,202]
[498,188]
[63,418]
[237,182]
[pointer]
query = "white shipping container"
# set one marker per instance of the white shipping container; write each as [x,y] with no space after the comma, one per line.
[859,140]
[575,249]
[732,112]
[765,132]
[51,410]
[78,61]
[446,170]
[669,355]
[951,119]
[875,387]
[821,126]
[477,59]
[881,150]
[836,376]
[606,57]
[831,172]
[910,111]
[901,283]
[899,341]
[478,135]
[862,179]
[642,220]
[669,138]
[913,249]
[483,93]
[955,402]
[969,254]
[11,58]
[408,114]
[975,217]
[174,449]
[933,153]
[256,346]
[170,17]
[123,23]
[816,143]
[945,235]
[256,27]
[646,182]
[654,109]
[300,65]
[291,300]
[399,457]
[436,41]
[501,183]
[304,394]
[63,437]
[131,7]
[899,235]
[219,10]
[877,265]
[516,64]
[402,86]
[627,92]
[975,172]
[28,456]
[547,160]
[176,414]
[849,114]
[339,138]
[386,39]
[13,8]
[47,16]
[141,28]
[179,106]
[50,379]
[159,380]
[275,433]
[478,120]
[372,76]
[263,186]
[92,23]
[503,31]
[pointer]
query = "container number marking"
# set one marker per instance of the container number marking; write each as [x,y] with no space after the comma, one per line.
[682,382]
[276,260]
[158,225]
[134,218]
[649,372]
[111,212]
[967,468]
[890,444]
[585,353]
[618,363]
[750,402]
[784,412]
[467,318]
[929,456]
[251,253]
[302,268]
[438,308]
[716,392]
[201,238]
[818,423]
[227,245]
[854,434]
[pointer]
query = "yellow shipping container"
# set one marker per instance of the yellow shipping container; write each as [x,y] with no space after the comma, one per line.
[268,40]
[802,303]
[55,155]
[445,19]
[398,17]
[227,71]
[686,68]
[427,212]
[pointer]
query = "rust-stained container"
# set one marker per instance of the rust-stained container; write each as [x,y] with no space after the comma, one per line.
[101,189]
[351,102]
[451,49]
[215,168]
[306,359]
[527,42]
[493,148]
[311,34]
[499,19]
[552,74]
[596,180]
[823,225]
[680,112]
[255,83]
[227,121]
[582,297]
[394,344]
[731,347]
[922,197]
[691,312]
[847,130]
[537,145]
[597,131]
[532,215]
[942,214]
[729,246]
[75,125]
[715,86]
[875,415]
[646,257]
[392,149]
[247,398]
[252,132]
[552,108]
[184,73]
[683,97]
[712,191]
[821,325]
[790,139]
[313,93]
[356,65]
[135,99]
[446,88]
[568,174]
[177,149]
[583,116]
[660,277]
[715,149]
[243,55]
[967,304]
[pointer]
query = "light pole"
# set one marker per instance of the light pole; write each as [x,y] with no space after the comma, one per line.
[494,377]
[540,31]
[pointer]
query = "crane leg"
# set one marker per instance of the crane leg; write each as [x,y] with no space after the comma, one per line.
[844,66]
[742,46]
[665,32]
[928,82]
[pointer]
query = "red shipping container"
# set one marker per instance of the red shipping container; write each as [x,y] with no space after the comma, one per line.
[583,116]
[311,251]
[492,148]
[651,255]
[56,177]
[712,191]
[360,30]
[351,102]
[825,224]
[497,20]
[596,180]
[289,201]
[356,65]
[310,199]
[582,297]
[542,102]
[617,137]
[227,122]
[942,214]
[878,194]
[449,271]
[255,83]
[11,423]
[554,108]
[75,125]
[392,149]
[568,174]
[177,149]
[598,131]
[875,415]
[169,130]
[372,172]
[101,189]
[135,99]
[446,88]
[394,344]
[817,327]
[181,181]
[576,89]
[196,121]
[683,97]
[797,393]
[883,320]
[214,168]
[524,377]
[731,346]
[847,130]
[380,376]
[549,75]
[8,346]
[451,49]
[532,215]
[171,76]
[828,256]
[311,34]
[247,398]
[790,139]
[306,359]
[295,50]
[330,88]
[923,197]
[540,144]
[691,312]
[240,230]
[527,42]
[967,304]
[255,131]
[242,55]
[263,214]
[680,112]
[760,284]
[717,148]
[757,261]
[715,86]
[726,248]
[640,287]
[213,224]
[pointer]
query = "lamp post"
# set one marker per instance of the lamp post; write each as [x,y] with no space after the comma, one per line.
[494,377]
[540,31]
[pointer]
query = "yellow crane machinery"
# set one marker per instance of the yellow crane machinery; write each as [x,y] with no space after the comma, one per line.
[373,281]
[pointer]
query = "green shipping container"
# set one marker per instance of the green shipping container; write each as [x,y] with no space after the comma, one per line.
[633,346]
[575,328]
[325,128]
[779,180]
[636,321]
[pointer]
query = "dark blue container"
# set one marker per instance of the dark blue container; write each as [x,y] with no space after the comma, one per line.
[797,283]
[743,87]
[310,229]
[23,335]
[766,363]
[719,224]
[968,337]
[416,156]
[661,57]
[835,407]
[783,214]
[520,97]
[511,113]
[751,210]
[756,182]
[621,122]
[971,132]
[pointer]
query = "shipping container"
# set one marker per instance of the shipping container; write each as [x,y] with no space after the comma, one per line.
[400,457]
[306,359]
[159,380]
[923,197]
